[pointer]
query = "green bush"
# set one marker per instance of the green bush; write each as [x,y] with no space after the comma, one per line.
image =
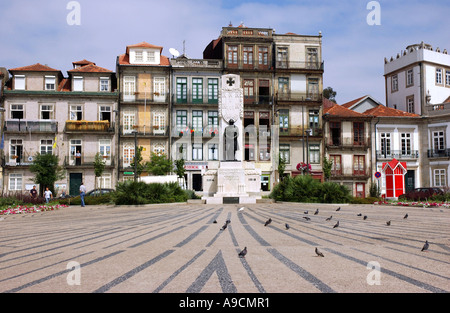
[368,200]
[143,193]
[304,188]
[88,200]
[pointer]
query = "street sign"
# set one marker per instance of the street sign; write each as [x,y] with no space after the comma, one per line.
[377,174]
[128,173]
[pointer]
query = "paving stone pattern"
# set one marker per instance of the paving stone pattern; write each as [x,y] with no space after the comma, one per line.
[178,248]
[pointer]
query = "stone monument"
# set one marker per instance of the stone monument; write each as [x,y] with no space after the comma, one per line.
[231,180]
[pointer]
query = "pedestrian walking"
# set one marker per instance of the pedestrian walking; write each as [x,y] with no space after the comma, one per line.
[82,193]
[33,192]
[47,195]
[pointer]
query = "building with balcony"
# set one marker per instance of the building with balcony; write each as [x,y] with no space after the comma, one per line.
[144,104]
[72,117]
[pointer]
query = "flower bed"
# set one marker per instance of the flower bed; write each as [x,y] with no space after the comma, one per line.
[424,204]
[23,209]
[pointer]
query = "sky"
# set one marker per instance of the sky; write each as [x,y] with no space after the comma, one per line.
[59,32]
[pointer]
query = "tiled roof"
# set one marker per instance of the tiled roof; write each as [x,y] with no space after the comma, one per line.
[382,110]
[332,109]
[353,102]
[34,68]
[143,45]
[90,68]
[83,62]
[447,100]
[64,85]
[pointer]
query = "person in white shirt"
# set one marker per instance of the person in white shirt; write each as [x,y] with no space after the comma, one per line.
[82,193]
[47,195]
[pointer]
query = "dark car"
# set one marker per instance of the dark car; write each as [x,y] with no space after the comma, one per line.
[421,194]
[96,192]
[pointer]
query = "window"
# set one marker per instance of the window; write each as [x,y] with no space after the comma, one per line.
[313,89]
[213,152]
[197,90]
[406,143]
[284,121]
[439,178]
[213,120]
[438,141]
[285,153]
[447,78]
[394,83]
[181,120]
[439,76]
[197,152]
[17,111]
[282,57]
[128,154]
[181,152]
[16,150]
[46,112]
[138,56]
[358,133]
[151,57]
[197,120]
[159,123]
[75,152]
[129,120]
[129,88]
[335,132]
[410,104]
[232,56]
[264,152]
[359,165]
[385,144]
[314,154]
[182,90]
[104,181]
[77,83]
[312,58]
[213,90]
[50,82]
[19,82]
[104,148]
[336,168]
[159,89]
[313,119]
[105,113]
[76,112]
[46,146]
[263,57]
[409,78]
[249,90]
[283,86]
[248,56]
[15,181]
[159,149]
[104,84]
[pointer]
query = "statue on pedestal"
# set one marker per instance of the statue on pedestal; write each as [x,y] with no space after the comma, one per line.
[231,134]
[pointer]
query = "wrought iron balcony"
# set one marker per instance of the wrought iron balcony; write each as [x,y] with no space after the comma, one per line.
[443,153]
[298,96]
[86,161]
[398,154]
[89,126]
[21,126]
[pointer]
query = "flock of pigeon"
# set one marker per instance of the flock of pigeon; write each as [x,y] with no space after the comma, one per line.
[243,253]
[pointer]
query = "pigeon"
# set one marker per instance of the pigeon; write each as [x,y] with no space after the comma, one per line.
[425,246]
[365,217]
[338,209]
[306,212]
[388,223]
[243,253]
[306,218]
[319,253]
[215,222]
[268,222]
[241,209]
[228,221]
[336,225]
[317,212]
[359,214]
[224,226]
[287,225]
[405,217]
[329,219]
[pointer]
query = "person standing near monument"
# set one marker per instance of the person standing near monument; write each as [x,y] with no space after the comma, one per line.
[231,141]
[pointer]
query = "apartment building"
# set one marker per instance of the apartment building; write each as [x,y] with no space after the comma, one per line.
[72,117]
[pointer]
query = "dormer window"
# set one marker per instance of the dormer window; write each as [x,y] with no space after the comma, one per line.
[151,57]
[104,84]
[138,56]
[78,83]
[19,82]
[144,56]
[50,82]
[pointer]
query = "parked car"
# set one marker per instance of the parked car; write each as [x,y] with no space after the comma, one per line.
[421,193]
[96,192]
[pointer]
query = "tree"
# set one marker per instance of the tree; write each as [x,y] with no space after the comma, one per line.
[159,165]
[47,171]
[281,166]
[330,94]
[99,167]
[138,159]
[326,167]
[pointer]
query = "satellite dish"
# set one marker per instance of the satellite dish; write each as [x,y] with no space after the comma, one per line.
[174,52]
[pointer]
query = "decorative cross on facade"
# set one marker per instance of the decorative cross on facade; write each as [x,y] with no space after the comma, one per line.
[230,81]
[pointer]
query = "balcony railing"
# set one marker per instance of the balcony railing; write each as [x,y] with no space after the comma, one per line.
[189,98]
[298,96]
[444,153]
[23,159]
[89,126]
[348,173]
[438,109]
[299,131]
[202,63]
[261,99]
[281,64]
[144,130]
[143,97]
[20,126]
[398,154]
[86,161]
[334,143]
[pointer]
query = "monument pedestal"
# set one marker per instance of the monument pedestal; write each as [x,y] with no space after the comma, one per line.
[232,182]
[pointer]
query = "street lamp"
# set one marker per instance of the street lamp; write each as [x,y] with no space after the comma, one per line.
[308,133]
[135,152]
